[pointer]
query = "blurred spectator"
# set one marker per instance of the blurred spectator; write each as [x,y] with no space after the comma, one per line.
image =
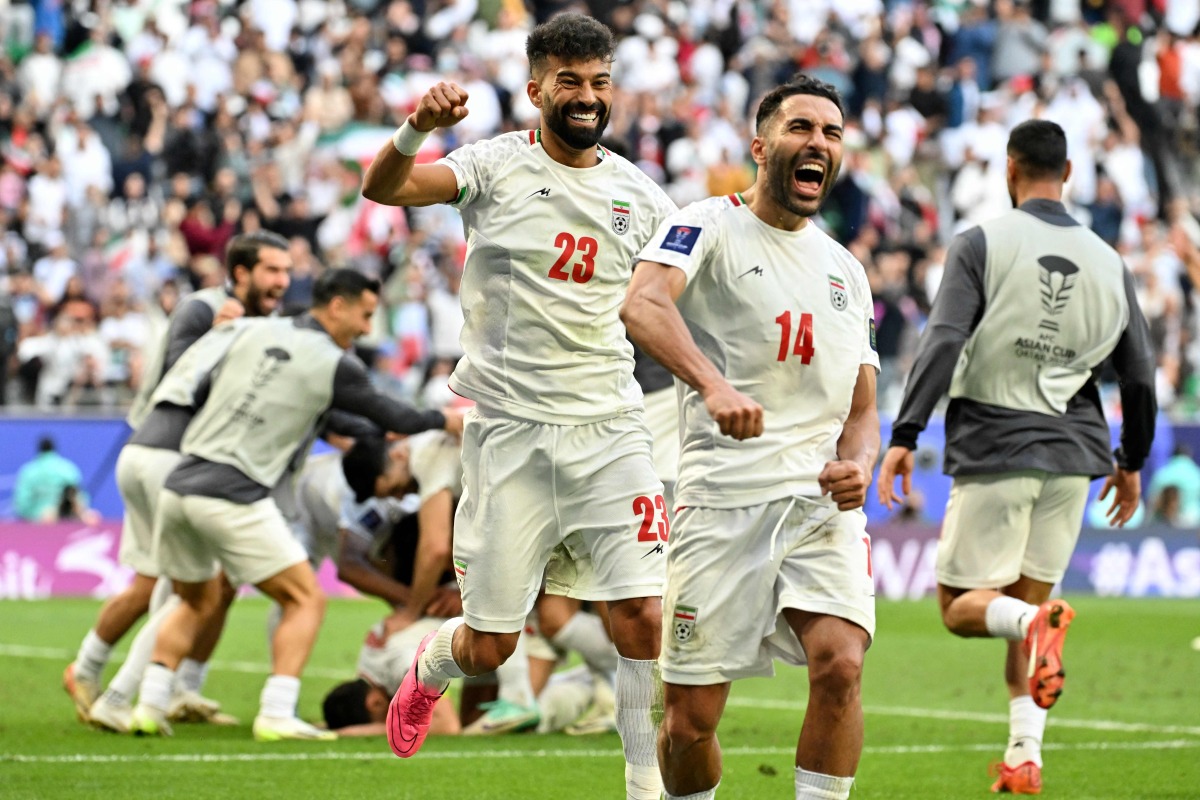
[1174,491]
[67,365]
[48,486]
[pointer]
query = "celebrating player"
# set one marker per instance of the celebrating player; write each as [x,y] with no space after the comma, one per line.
[264,397]
[1025,433]
[768,322]
[258,265]
[556,455]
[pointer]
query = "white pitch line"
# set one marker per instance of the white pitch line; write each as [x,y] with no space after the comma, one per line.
[205,758]
[253,668]
[975,716]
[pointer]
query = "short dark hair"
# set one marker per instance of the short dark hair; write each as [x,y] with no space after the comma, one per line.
[46,444]
[1039,147]
[570,37]
[799,84]
[346,705]
[363,464]
[243,250]
[345,283]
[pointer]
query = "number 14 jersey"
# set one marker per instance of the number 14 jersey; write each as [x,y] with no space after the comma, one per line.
[786,316]
[549,255]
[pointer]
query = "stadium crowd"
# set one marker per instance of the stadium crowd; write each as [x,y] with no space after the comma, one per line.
[139,137]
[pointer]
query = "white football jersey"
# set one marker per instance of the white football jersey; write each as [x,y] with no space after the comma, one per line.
[549,255]
[435,462]
[787,319]
[321,493]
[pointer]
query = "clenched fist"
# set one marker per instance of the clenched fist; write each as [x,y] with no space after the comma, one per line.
[441,107]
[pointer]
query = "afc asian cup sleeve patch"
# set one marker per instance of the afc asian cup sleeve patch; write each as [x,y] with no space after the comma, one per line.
[871,332]
[681,239]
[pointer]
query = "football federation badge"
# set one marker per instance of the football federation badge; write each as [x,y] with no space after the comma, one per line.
[837,293]
[684,623]
[620,217]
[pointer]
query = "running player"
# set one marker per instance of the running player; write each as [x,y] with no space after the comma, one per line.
[1025,430]
[258,266]
[768,322]
[264,397]
[556,453]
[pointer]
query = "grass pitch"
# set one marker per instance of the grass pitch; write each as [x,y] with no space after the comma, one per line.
[1128,725]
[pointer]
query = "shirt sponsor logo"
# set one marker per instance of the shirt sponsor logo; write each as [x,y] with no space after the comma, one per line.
[1057,276]
[752,271]
[681,239]
[539,193]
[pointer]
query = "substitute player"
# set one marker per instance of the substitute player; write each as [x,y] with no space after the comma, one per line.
[265,397]
[768,322]
[258,266]
[1031,304]
[556,455]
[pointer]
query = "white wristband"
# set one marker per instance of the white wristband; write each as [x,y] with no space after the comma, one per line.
[408,140]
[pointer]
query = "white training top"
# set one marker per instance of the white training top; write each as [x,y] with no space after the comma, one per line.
[787,319]
[435,462]
[549,255]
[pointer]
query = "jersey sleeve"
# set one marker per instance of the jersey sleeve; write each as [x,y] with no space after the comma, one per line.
[435,464]
[683,240]
[866,303]
[475,166]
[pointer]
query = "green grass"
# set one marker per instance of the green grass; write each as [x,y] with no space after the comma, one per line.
[1129,662]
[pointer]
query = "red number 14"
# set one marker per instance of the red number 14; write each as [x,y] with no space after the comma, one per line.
[804,337]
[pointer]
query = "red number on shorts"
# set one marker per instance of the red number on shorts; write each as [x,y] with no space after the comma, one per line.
[867,542]
[646,507]
[804,337]
[582,270]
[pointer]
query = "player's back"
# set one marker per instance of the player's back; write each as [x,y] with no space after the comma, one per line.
[550,254]
[1055,306]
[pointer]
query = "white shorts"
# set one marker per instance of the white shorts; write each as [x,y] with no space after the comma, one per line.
[662,418]
[1000,527]
[192,534]
[732,572]
[141,472]
[579,502]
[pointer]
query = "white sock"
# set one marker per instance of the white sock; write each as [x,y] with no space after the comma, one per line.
[92,658]
[513,677]
[566,696]
[584,633]
[164,590]
[637,683]
[707,794]
[815,786]
[124,685]
[437,666]
[1009,618]
[279,697]
[192,675]
[156,687]
[1026,726]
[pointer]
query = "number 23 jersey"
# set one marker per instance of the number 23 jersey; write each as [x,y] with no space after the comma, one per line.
[786,316]
[549,255]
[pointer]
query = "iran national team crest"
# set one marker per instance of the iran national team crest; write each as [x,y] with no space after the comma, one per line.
[837,293]
[620,217]
[684,623]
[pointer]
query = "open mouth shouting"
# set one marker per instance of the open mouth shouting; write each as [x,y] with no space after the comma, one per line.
[809,178]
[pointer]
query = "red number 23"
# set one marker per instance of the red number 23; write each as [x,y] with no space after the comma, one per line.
[581,270]
[646,507]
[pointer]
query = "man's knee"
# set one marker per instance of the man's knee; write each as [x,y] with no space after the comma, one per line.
[483,652]
[202,598]
[296,587]
[836,671]
[684,726]
[637,626]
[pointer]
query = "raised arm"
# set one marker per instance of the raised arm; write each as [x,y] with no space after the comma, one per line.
[354,568]
[655,324]
[394,178]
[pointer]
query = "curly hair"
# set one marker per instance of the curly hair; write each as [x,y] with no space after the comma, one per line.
[799,84]
[570,37]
